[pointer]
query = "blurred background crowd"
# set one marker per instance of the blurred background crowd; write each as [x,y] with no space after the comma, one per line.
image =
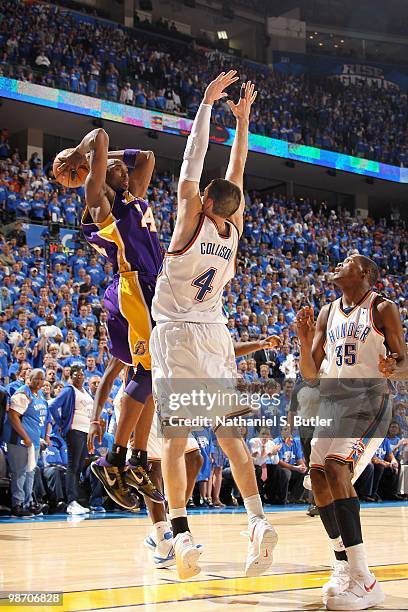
[159,71]
[53,337]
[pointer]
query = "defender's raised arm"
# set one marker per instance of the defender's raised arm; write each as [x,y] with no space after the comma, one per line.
[189,201]
[239,151]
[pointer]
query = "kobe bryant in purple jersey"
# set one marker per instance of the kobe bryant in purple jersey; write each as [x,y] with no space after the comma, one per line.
[118,222]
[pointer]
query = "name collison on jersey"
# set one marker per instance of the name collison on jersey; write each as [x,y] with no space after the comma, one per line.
[191,284]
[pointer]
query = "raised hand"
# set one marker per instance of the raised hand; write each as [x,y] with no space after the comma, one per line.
[247,97]
[305,325]
[72,161]
[215,90]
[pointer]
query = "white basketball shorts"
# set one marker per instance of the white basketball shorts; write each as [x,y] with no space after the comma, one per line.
[367,416]
[194,372]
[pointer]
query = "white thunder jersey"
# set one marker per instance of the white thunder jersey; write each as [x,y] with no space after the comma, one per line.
[353,343]
[191,284]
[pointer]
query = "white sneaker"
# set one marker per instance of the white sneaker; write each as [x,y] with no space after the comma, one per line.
[338,581]
[164,552]
[187,555]
[358,596]
[307,483]
[75,508]
[150,541]
[262,541]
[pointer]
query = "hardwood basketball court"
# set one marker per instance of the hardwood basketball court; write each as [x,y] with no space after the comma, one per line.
[101,564]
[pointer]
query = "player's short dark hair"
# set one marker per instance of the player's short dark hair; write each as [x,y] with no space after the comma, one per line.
[226,197]
[74,369]
[371,267]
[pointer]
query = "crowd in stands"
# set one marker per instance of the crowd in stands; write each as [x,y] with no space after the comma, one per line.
[99,58]
[52,323]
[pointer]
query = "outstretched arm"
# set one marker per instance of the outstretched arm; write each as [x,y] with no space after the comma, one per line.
[189,200]
[239,151]
[140,165]
[245,348]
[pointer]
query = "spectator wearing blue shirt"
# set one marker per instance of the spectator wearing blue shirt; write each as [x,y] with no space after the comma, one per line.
[75,359]
[5,356]
[397,443]
[92,86]
[55,210]
[89,344]
[203,437]
[95,271]
[70,211]
[83,318]
[79,260]
[20,357]
[3,195]
[386,467]
[22,374]
[22,432]
[12,204]
[285,397]
[38,207]
[292,462]
[22,206]
[53,467]
[91,369]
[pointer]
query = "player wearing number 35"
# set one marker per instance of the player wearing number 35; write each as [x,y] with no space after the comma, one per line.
[347,349]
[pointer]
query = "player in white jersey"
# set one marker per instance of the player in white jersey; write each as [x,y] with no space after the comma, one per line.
[352,336]
[190,340]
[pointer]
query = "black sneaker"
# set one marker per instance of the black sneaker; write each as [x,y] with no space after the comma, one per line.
[38,509]
[313,510]
[190,503]
[114,483]
[137,478]
[20,512]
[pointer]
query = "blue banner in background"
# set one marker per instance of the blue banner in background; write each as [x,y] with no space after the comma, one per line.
[37,233]
[68,238]
[172,124]
[348,72]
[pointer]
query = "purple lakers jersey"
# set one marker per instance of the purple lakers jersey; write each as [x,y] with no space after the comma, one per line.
[127,237]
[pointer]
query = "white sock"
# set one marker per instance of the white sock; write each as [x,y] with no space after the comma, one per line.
[337,544]
[357,559]
[161,528]
[177,512]
[253,506]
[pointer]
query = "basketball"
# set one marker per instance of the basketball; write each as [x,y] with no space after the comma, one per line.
[69,178]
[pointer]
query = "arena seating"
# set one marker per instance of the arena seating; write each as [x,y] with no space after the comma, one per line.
[141,68]
[288,247]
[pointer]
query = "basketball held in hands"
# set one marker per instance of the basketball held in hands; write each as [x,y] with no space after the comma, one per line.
[72,176]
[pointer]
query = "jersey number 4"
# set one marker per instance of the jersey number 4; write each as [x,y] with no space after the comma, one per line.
[204,284]
[348,357]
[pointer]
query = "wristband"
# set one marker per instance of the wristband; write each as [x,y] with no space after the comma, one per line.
[95,422]
[130,156]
